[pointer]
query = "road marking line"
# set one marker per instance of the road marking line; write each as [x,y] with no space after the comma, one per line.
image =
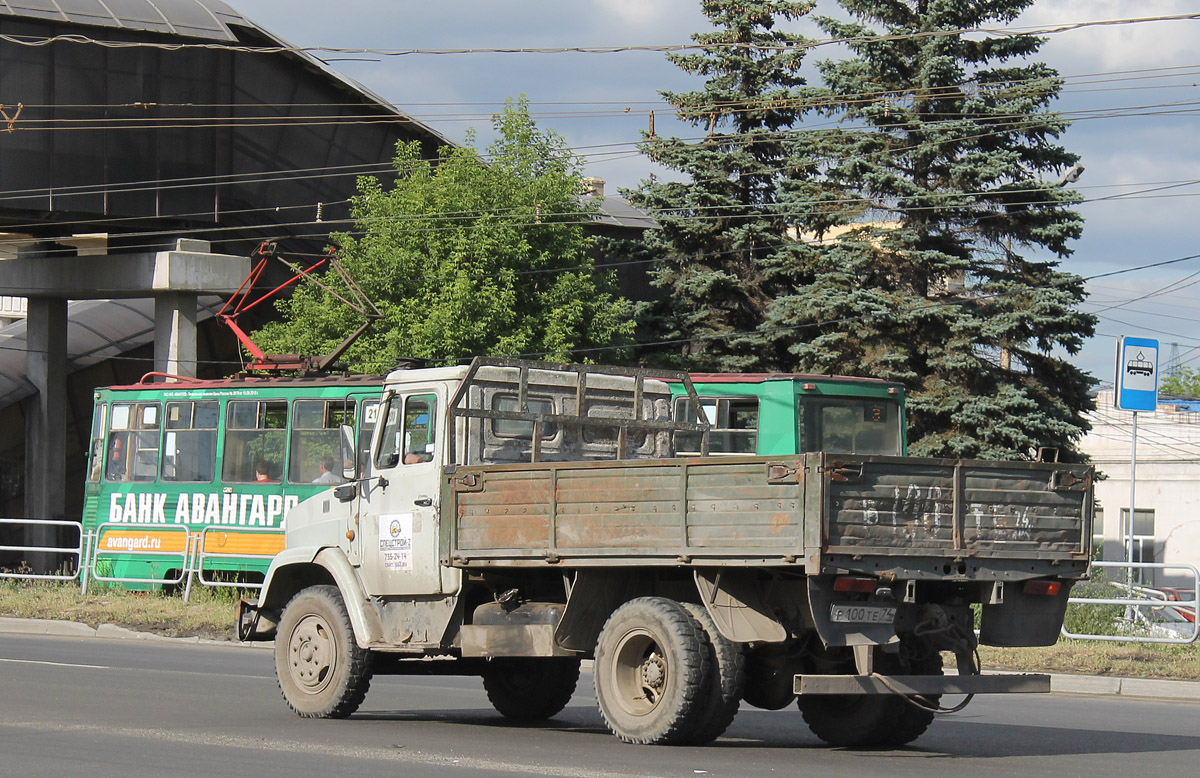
[54,664]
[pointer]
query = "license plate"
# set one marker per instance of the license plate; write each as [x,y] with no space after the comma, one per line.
[854,613]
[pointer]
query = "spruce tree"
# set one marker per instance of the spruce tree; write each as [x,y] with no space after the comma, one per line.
[941,264]
[721,249]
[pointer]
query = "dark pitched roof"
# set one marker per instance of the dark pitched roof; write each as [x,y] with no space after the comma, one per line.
[187,18]
[205,19]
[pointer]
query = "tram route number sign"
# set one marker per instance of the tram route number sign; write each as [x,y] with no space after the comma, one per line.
[1137,374]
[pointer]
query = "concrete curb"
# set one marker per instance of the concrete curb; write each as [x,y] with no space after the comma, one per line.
[1125,687]
[1150,688]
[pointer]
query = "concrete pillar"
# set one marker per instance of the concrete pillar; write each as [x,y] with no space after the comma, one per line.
[175,333]
[46,424]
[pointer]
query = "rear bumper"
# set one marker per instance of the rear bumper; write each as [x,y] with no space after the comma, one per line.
[1025,683]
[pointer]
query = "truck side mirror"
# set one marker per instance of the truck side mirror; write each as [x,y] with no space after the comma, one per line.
[349,458]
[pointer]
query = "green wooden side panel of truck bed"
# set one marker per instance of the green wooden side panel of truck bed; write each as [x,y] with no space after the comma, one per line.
[833,511]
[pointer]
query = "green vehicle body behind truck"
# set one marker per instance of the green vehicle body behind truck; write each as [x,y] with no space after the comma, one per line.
[784,413]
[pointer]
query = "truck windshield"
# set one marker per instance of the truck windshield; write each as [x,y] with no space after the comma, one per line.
[849,425]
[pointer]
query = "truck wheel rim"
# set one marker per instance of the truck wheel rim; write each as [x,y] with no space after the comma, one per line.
[312,654]
[640,673]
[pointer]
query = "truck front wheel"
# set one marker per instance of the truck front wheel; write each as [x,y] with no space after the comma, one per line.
[530,689]
[652,672]
[322,672]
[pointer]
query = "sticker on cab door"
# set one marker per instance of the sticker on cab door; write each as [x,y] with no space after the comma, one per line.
[395,541]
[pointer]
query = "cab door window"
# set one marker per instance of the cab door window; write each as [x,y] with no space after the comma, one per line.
[419,429]
[409,431]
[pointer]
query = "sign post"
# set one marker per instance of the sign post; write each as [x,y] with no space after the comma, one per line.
[1136,388]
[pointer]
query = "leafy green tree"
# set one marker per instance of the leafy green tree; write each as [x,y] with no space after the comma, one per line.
[1181,382]
[469,255]
[721,251]
[946,172]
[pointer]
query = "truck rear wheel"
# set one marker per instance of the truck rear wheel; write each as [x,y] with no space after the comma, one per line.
[727,666]
[652,672]
[530,689]
[322,672]
[870,720]
[914,720]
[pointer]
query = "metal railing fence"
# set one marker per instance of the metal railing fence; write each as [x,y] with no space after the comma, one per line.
[78,551]
[1151,616]
[113,539]
[190,553]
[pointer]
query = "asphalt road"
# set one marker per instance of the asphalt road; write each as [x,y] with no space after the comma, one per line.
[130,708]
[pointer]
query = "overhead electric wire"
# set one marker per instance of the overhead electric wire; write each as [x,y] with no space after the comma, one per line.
[382,167]
[37,41]
[622,108]
[28,123]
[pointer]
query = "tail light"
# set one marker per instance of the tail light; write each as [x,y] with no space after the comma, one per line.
[1045,588]
[855,583]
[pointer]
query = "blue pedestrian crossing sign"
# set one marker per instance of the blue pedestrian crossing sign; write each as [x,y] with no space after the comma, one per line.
[1137,374]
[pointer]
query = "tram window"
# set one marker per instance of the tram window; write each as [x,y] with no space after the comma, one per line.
[190,441]
[133,443]
[255,434]
[315,435]
[734,423]
[99,416]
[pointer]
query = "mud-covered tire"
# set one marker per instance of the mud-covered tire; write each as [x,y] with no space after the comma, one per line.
[914,720]
[322,672]
[870,720]
[727,665]
[651,672]
[530,689]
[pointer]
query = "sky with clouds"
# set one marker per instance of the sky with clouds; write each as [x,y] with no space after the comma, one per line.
[1132,89]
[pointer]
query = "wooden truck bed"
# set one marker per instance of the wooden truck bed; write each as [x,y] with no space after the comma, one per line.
[908,516]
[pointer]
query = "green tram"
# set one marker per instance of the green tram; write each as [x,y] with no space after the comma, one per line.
[203,473]
[200,475]
[785,413]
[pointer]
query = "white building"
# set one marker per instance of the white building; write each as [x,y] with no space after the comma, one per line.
[1167,491]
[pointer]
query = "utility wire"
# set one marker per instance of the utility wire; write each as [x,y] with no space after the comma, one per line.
[35,41]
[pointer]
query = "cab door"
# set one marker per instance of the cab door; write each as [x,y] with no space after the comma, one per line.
[398,516]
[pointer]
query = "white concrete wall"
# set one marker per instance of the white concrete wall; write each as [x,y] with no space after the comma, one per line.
[1168,479]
